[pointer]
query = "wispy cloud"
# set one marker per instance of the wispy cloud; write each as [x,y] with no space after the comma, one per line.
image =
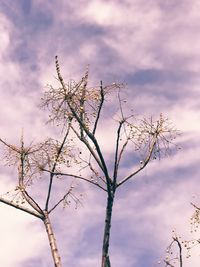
[154,47]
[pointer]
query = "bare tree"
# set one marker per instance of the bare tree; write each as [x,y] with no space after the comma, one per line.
[174,256]
[30,162]
[79,107]
[79,110]
[181,249]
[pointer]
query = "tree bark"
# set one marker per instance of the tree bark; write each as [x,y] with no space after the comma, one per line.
[106,238]
[52,241]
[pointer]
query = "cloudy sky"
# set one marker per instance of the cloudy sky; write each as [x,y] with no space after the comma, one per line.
[154,47]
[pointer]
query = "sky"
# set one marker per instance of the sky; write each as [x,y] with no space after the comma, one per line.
[153,47]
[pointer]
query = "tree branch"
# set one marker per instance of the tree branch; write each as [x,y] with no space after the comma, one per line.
[53,168]
[116,165]
[63,198]
[194,206]
[168,264]
[76,177]
[99,109]
[145,162]
[17,206]
[180,250]
[25,194]
[10,146]
[88,133]
[82,139]
[93,139]
[31,201]
[122,151]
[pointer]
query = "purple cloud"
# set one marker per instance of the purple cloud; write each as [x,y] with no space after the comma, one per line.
[154,47]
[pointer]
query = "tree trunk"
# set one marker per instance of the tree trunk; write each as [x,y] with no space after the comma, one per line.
[106,239]
[52,241]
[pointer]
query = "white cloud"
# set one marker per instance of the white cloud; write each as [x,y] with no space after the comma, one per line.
[131,27]
[104,13]
[143,36]
[22,236]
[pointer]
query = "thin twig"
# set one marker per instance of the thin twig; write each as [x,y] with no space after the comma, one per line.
[100,108]
[146,161]
[63,198]
[116,153]
[76,177]
[194,206]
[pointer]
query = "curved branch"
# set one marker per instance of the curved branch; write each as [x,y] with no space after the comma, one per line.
[77,177]
[180,250]
[146,161]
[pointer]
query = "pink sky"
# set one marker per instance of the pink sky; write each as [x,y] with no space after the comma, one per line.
[153,46]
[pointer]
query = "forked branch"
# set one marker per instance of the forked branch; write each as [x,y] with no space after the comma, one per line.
[59,151]
[84,128]
[144,164]
[177,258]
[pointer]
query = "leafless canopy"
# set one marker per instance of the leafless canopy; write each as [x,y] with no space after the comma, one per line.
[79,110]
[80,107]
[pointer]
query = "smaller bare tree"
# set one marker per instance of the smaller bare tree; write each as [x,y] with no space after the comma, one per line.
[179,250]
[30,162]
[174,252]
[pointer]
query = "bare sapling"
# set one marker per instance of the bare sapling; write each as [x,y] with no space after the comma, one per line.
[30,162]
[180,249]
[174,252]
